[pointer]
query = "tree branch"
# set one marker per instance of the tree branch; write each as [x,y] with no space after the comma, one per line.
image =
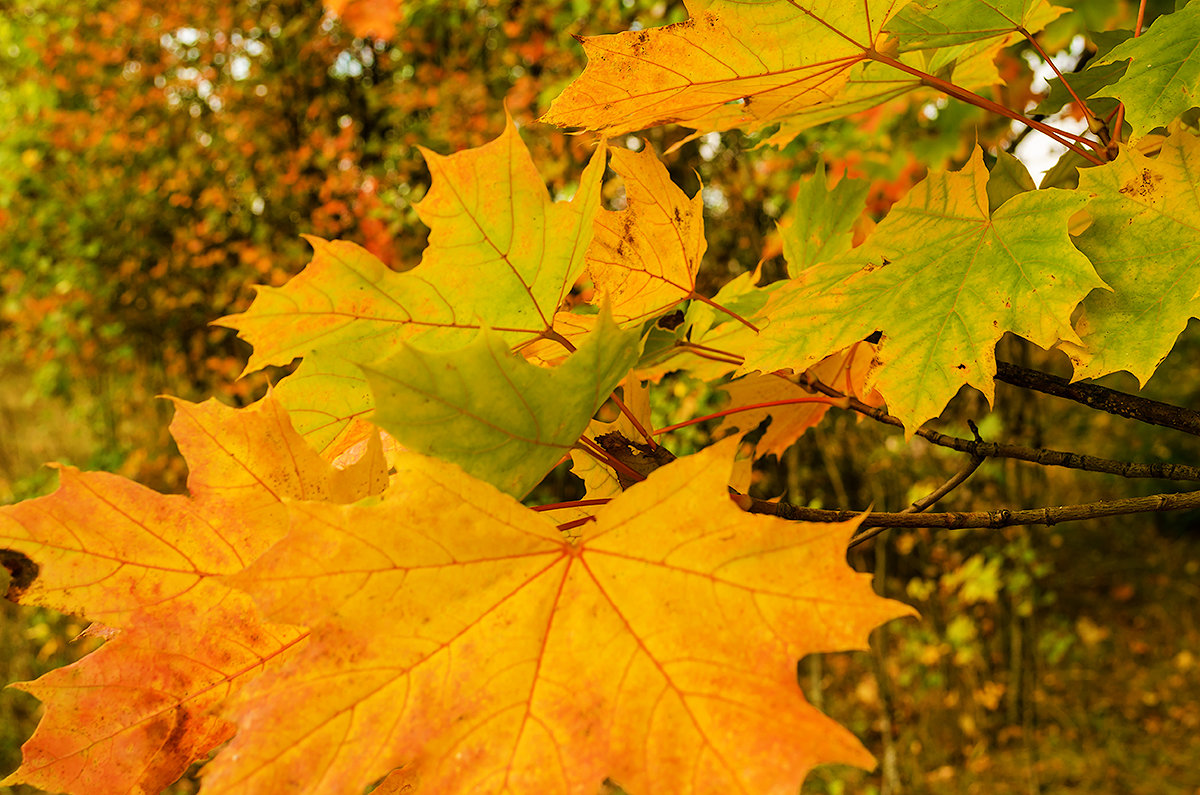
[1058,458]
[1002,517]
[1151,412]
[956,480]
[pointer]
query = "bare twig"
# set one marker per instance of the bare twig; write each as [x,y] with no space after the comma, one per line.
[1002,517]
[1102,398]
[956,480]
[1087,463]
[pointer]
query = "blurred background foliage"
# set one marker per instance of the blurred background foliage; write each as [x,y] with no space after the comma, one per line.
[161,159]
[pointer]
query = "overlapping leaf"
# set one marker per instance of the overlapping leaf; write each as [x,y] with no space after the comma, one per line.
[846,371]
[1145,241]
[1163,78]
[819,226]
[501,254]
[643,259]
[500,418]
[750,65]
[773,58]
[510,659]
[133,716]
[943,279]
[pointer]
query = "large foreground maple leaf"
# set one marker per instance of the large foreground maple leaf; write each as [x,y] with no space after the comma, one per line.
[462,636]
[131,717]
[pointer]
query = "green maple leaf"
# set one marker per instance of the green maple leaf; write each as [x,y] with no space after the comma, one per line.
[922,26]
[500,418]
[1163,79]
[943,279]
[819,226]
[1145,241]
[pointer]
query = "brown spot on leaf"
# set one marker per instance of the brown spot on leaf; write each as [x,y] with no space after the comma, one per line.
[23,570]
[1142,186]
[638,46]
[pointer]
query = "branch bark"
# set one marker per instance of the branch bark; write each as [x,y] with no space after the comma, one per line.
[1122,404]
[1002,517]
[1126,469]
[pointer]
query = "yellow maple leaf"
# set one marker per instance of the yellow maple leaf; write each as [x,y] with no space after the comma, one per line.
[643,259]
[459,635]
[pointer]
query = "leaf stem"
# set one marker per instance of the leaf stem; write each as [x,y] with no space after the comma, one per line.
[704,300]
[1061,136]
[649,437]
[1046,59]
[601,455]
[565,526]
[554,336]
[555,506]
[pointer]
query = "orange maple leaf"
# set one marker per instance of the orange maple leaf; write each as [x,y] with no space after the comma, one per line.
[459,635]
[846,370]
[132,716]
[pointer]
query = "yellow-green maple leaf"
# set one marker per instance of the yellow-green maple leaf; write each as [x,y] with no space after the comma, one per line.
[500,418]
[459,634]
[943,279]
[1163,78]
[1145,241]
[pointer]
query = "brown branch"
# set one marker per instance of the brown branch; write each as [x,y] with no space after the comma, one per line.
[991,519]
[1151,412]
[1056,458]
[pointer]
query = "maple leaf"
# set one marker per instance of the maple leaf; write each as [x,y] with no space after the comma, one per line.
[819,225]
[750,65]
[775,58]
[511,659]
[643,260]
[327,399]
[943,279]
[132,716]
[846,371]
[500,418]
[1163,78]
[501,254]
[1144,241]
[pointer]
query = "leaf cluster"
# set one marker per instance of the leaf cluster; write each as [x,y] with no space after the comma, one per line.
[352,593]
